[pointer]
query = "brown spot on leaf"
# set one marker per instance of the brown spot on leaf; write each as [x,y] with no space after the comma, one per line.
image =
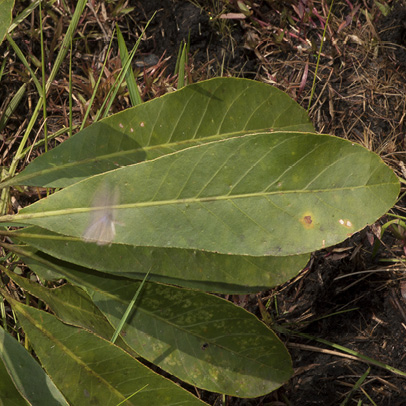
[307,220]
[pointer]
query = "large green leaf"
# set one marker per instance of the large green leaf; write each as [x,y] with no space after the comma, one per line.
[26,374]
[190,268]
[72,305]
[205,111]
[92,371]
[201,339]
[263,194]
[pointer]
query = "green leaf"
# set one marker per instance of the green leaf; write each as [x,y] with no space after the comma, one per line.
[70,304]
[46,267]
[6,9]
[214,109]
[18,367]
[12,106]
[201,339]
[272,194]
[189,268]
[9,394]
[133,91]
[90,370]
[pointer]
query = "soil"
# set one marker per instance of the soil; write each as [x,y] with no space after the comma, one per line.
[177,21]
[374,326]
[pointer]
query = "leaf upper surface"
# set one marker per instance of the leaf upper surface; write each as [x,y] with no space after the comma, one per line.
[199,113]
[91,370]
[263,194]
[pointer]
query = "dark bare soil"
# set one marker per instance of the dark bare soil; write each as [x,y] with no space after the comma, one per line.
[177,21]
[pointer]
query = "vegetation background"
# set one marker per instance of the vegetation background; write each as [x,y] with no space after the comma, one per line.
[345,295]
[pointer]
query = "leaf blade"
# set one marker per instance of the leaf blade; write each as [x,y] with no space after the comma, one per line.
[264,194]
[189,268]
[6,14]
[209,110]
[94,370]
[30,379]
[202,339]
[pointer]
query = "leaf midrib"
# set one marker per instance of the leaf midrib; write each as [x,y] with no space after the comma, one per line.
[192,200]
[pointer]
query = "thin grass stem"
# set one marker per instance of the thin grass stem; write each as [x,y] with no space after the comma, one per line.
[114,89]
[44,104]
[318,57]
[132,87]
[341,348]
[96,87]
[356,387]
[129,309]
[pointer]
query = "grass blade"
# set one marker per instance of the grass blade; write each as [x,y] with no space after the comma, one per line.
[133,91]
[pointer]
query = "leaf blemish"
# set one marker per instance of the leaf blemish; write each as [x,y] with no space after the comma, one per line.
[345,223]
[307,221]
